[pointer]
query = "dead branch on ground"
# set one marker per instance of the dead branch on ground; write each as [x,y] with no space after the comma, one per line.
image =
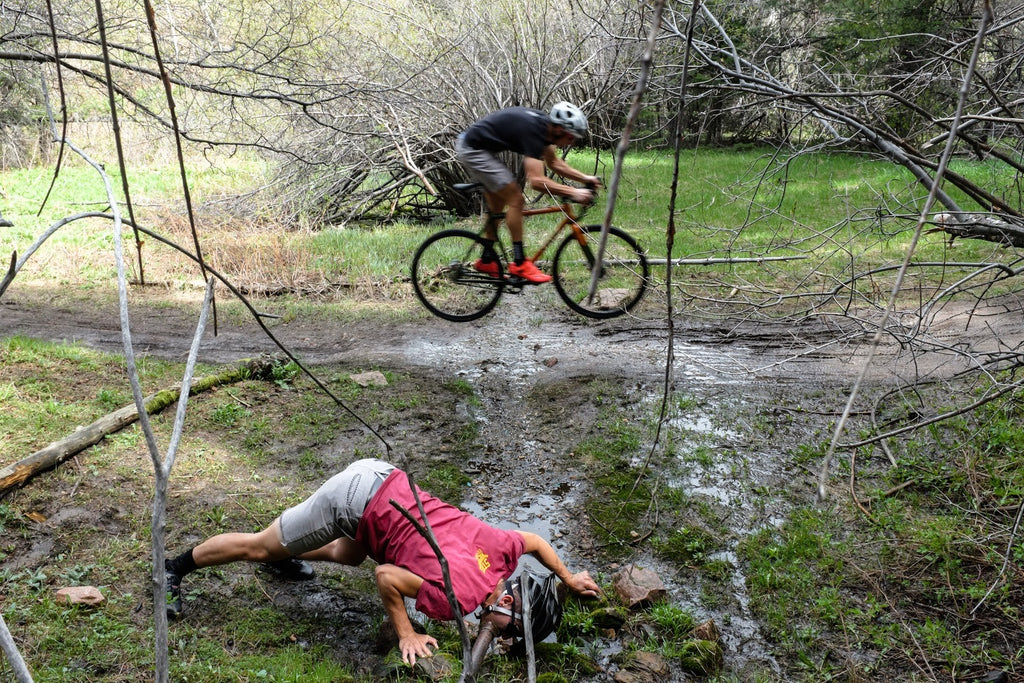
[19,473]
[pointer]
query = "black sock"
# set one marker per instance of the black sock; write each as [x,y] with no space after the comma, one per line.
[489,254]
[182,564]
[517,252]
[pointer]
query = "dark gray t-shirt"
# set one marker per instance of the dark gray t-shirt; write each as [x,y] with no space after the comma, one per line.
[516,129]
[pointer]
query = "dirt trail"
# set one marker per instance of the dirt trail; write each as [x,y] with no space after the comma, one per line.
[523,362]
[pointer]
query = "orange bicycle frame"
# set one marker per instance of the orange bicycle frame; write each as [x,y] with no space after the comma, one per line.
[568,218]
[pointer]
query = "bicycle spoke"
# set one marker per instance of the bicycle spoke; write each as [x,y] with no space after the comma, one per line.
[622,278]
[446,282]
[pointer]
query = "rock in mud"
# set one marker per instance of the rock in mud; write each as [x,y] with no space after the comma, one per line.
[637,587]
[373,378]
[435,668]
[707,630]
[642,667]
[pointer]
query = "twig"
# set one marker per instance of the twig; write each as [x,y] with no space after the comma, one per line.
[428,534]
[853,489]
[1006,557]
[884,446]
[720,260]
[21,672]
[924,655]
[115,127]
[531,656]
[623,146]
[899,487]
[9,276]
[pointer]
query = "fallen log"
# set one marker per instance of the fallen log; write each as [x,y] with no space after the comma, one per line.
[17,474]
[988,227]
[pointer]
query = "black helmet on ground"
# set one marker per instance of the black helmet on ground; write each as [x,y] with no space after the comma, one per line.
[543,611]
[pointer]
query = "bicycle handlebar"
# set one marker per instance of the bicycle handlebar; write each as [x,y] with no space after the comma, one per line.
[472,188]
[593,187]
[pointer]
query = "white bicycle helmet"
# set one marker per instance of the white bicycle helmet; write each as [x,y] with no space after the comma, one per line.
[570,117]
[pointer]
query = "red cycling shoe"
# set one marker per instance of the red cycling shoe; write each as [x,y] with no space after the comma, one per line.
[487,267]
[528,272]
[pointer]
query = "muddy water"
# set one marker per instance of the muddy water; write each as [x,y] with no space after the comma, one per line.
[524,481]
[524,362]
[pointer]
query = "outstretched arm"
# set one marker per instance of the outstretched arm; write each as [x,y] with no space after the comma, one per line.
[535,178]
[395,583]
[581,583]
[562,168]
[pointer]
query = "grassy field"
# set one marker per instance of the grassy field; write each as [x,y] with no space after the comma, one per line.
[831,215]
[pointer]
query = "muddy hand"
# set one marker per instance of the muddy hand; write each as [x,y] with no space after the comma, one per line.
[583,584]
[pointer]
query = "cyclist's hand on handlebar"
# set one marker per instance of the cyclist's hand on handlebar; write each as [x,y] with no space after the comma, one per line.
[593,182]
[582,195]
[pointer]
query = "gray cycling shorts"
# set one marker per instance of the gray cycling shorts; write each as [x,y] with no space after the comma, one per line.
[334,509]
[483,166]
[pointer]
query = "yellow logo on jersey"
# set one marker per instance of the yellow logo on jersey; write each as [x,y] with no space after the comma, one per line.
[482,561]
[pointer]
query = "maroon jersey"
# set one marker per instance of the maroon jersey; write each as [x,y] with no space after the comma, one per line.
[478,554]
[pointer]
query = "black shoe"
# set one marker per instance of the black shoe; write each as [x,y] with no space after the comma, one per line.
[174,607]
[290,568]
[4,223]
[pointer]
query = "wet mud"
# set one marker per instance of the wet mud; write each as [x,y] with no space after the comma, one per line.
[757,392]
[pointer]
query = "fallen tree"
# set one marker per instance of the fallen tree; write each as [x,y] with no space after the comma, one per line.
[991,228]
[17,474]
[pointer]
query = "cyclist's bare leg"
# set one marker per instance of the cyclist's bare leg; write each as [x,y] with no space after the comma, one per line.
[490,231]
[510,200]
[493,220]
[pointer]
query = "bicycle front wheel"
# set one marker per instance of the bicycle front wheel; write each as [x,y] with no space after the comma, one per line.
[622,277]
[445,280]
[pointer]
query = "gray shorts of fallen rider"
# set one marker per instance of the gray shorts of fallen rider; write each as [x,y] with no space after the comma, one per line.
[334,510]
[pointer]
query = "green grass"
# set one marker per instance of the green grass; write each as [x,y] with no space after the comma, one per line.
[361,254]
[35,383]
[823,210]
[85,644]
[846,593]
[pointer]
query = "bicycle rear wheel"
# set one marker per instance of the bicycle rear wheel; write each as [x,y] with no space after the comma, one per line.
[622,280]
[445,281]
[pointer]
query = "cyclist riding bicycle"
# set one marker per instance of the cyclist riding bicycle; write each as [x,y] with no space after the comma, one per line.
[534,135]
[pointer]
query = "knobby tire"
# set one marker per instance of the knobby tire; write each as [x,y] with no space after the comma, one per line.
[445,281]
[621,284]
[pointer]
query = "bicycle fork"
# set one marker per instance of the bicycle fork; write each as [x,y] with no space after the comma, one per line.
[584,241]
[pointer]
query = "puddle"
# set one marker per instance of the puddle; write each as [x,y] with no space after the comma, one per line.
[720,386]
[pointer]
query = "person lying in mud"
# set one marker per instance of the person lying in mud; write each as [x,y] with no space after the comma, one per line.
[351,517]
